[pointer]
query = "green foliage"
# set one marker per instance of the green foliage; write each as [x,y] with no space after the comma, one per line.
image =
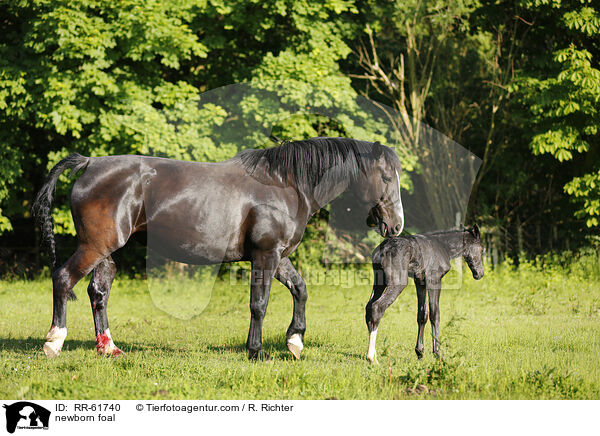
[563,96]
[586,189]
[125,77]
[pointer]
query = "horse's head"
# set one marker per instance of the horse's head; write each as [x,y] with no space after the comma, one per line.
[473,253]
[379,189]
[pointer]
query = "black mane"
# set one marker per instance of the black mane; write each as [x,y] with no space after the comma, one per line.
[309,160]
[456,240]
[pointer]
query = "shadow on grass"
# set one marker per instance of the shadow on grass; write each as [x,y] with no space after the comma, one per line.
[274,346]
[277,347]
[271,346]
[35,344]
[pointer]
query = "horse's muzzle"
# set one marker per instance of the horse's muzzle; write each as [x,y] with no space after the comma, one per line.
[478,275]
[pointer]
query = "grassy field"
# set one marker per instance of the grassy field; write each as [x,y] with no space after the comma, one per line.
[515,334]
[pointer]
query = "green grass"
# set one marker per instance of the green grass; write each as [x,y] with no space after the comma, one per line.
[515,334]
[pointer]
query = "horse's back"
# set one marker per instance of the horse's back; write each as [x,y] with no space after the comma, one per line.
[195,212]
[417,254]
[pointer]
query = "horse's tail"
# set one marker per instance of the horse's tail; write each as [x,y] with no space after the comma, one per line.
[42,206]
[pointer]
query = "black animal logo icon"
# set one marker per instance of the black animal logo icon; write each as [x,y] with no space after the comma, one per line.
[26,415]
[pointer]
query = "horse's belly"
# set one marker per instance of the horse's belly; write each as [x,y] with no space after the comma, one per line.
[193,245]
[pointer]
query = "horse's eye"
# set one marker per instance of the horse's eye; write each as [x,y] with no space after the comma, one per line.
[386,179]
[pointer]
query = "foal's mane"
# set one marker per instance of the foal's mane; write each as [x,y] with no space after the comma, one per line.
[455,239]
[309,161]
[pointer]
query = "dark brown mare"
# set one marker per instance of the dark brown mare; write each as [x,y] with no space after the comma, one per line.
[253,207]
[425,258]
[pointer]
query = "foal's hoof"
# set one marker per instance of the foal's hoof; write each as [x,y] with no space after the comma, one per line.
[294,344]
[259,355]
[419,353]
[373,360]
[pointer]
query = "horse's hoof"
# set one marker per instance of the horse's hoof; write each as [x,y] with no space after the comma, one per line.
[259,355]
[105,345]
[113,352]
[54,341]
[373,360]
[294,344]
[51,350]
[419,354]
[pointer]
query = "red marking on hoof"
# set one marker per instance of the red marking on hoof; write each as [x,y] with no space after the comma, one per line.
[105,345]
[102,340]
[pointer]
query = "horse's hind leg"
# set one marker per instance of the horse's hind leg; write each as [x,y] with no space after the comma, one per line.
[99,290]
[63,279]
[390,279]
[376,307]
[373,321]
[289,277]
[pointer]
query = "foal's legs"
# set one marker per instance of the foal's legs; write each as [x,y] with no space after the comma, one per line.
[289,277]
[63,279]
[434,289]
[390,279]
[421,315]
[263,270]
[389,282]
[379,302]
[99,290]
[378,289]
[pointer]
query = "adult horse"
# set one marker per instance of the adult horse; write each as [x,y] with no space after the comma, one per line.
[253,207]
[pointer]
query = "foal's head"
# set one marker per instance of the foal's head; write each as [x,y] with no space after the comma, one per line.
[473,251]
[379,189]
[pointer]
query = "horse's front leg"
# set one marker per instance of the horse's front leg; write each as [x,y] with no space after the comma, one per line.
[289,277]
[422,315]
[263,271]
[98,291]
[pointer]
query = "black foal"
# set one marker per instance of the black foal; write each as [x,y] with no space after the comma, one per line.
[425,258]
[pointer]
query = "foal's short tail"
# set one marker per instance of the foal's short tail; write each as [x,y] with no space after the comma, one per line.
[42,206]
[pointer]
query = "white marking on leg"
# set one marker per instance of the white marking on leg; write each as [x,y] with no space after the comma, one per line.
[399,207]
[295,345]
[296,340]
[105,344]
[54,341]
[372,353]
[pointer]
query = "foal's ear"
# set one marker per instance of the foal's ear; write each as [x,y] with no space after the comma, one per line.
[377,150]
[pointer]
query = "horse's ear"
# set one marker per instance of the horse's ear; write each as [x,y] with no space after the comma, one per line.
[377,150]
[476,232]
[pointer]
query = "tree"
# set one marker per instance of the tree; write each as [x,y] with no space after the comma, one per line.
[124,77]
[404,60]
[562,91]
